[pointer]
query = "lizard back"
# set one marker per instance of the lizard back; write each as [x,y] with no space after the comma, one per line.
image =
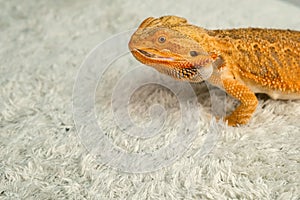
[268,59]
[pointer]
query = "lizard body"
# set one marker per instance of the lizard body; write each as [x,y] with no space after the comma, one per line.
[242,62]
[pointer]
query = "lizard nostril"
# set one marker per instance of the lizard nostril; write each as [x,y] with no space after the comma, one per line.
[193,53]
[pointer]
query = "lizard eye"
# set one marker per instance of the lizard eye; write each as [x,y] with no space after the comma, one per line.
[161,39]
[193,53]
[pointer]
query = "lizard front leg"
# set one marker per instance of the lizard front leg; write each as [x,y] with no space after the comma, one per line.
[248,100]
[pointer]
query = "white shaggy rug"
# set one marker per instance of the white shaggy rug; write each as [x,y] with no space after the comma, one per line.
[43,44]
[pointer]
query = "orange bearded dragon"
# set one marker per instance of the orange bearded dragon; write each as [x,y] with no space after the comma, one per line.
[241,62]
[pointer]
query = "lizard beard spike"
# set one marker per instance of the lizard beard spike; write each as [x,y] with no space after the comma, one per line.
[204,66]
[205,71]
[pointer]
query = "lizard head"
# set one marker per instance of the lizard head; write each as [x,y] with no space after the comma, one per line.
[166,44]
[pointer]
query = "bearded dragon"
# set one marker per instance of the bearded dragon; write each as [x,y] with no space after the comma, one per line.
[241,62]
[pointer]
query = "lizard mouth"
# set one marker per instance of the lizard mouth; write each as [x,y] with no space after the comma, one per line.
[154,55]
[175,65]
[145,53]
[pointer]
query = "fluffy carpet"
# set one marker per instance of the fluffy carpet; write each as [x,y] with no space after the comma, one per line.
[43,44]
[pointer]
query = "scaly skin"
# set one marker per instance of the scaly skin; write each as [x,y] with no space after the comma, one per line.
[240,61]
